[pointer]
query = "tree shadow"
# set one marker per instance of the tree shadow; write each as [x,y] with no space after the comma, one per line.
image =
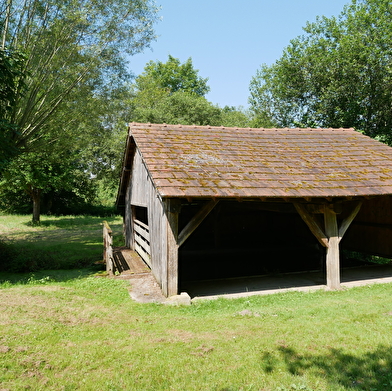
[48,276]
[72,242]
[73,222]
[371,371]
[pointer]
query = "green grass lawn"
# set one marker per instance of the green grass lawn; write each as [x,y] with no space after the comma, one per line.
[57,243]
[71,330]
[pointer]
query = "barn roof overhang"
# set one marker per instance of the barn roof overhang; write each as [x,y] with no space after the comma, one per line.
[279,165]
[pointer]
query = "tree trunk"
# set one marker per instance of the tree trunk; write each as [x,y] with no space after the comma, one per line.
[36,197]
[6,22]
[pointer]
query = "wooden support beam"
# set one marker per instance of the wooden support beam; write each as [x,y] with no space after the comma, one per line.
[348,220]
[312,224]
[196,221]
[333,263]
[170,287]
[332,236]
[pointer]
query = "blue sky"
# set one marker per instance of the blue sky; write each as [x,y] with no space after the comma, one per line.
[228,40]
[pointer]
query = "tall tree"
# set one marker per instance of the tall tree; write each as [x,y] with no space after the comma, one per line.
[172,76]
[72,45]
[338,73]
[11,81]
[172,92]
[75,62]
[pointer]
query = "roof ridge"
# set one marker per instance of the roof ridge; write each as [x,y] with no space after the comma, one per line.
[187,127]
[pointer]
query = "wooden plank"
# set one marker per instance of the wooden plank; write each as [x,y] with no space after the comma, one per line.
[172,211]
[132,258]
[157,228]
[142,231]
[195,221]
[145,256]
[132,228]
[348,220]
[143,243]
[312,224]
[139,184]
[333,262]
[141,224]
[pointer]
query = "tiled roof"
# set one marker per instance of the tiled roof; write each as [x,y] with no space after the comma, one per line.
[202,161]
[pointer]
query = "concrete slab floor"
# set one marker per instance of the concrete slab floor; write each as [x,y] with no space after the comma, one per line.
[262,285]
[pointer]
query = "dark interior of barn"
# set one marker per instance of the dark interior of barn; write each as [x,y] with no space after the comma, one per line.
[239,239]
[245,239]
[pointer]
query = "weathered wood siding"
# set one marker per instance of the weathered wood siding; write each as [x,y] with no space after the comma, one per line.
[371,231]
[140,185]
[141,192]
[158,244]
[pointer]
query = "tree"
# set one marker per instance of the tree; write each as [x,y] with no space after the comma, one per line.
[71,46]
[338,74]
[172,76]
[11,80]
[172,92]
[38,173]
[75,63]
[232,116]
[180,107]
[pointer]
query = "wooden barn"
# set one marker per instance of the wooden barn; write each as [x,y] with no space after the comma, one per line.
[203,202]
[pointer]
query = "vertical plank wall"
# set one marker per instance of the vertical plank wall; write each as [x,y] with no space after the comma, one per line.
[371,231]
[141,192]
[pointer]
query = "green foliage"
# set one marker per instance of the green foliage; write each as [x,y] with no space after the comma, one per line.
[74,76]
[178,108]
[11,84]
[172,76]
[40,170]
[75,53]
[235,117]
[338,74]
[51,173]
[173,93]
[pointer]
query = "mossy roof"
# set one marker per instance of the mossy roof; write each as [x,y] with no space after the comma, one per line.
[205,161]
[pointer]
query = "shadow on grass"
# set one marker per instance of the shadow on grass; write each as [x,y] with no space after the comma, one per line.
[73,221]
[370,371]
[69,242]
[31,256]
[46,276]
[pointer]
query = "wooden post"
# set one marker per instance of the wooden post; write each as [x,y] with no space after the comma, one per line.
[131,228]
[333,263]
[172,211]
[332,236]
[107,247]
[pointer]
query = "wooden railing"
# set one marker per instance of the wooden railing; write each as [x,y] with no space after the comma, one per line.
[107,247]
[142,241]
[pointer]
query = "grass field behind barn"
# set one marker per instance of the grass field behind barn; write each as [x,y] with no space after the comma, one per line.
[57,243]
[72,330]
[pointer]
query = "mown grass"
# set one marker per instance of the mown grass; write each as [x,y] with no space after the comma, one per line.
[71,330]
[57,243]
[87,334]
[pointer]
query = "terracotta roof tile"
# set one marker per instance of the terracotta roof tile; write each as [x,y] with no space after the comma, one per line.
[197,161]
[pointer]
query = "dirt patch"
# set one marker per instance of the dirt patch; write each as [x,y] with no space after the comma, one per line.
[145,289]
[4,349]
